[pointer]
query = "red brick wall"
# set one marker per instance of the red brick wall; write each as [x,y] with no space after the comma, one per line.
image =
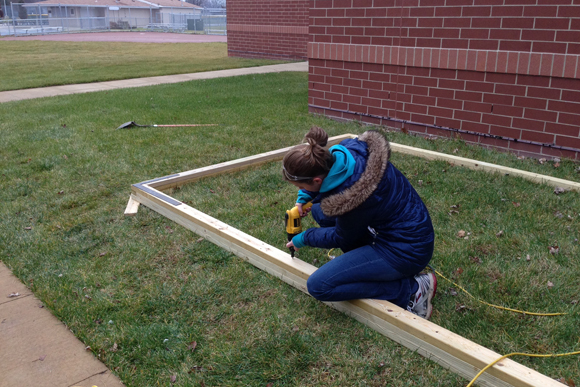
[273,29]
[501,73]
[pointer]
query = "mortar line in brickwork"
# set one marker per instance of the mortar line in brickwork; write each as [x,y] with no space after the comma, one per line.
[454,130]
[398,59]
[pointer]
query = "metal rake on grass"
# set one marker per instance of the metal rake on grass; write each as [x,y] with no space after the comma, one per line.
[132,124]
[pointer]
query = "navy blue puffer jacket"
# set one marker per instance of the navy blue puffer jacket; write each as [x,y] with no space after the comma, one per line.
[376,205]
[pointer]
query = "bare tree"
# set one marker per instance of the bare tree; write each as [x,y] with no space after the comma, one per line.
[209,3]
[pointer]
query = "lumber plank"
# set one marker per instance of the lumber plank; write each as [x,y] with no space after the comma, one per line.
[488,167]
[450,350]
[182,178]
[176,180]
[132,206]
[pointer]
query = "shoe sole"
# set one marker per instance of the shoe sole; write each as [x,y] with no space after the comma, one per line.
[432,291]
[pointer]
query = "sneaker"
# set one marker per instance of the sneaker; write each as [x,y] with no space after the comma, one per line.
[420,303]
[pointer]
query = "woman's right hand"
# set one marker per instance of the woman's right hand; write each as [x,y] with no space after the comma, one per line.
[303,212]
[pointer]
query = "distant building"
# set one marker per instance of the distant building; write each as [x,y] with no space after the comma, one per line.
[118,13]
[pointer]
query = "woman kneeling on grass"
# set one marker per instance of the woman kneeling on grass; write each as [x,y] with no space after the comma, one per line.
[369,210]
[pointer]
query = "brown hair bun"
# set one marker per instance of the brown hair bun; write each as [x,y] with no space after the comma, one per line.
[308,160]
[316,135]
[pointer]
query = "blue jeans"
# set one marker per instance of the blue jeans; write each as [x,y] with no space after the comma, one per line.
[359,273]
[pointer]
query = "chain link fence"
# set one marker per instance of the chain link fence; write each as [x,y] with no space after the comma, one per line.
[33,19]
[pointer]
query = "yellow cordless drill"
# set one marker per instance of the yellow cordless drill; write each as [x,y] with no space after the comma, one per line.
[293,223]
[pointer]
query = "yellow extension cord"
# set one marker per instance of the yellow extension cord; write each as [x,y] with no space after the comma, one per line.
[511,310]
[502,308]
[497,306]
[517,353]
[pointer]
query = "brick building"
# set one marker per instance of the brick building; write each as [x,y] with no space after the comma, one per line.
[273,29]
[500,73]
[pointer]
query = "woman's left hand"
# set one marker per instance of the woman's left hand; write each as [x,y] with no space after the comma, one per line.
[290,244]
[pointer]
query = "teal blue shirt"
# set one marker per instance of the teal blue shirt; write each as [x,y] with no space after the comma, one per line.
[342,168]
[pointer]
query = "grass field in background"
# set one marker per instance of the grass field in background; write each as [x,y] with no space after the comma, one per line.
[27,64]
[140,291]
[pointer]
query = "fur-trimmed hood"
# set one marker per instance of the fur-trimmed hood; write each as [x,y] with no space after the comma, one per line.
[378,154]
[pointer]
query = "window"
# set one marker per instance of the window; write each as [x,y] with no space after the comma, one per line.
[72,11]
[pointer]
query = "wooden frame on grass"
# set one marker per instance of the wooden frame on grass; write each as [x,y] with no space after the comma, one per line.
[450,350]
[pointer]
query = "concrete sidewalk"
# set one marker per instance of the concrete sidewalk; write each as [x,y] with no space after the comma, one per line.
[17,95]
[36,349]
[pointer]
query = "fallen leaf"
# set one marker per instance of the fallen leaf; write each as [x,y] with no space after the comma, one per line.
[521,157]
[568,382]
[461,234]
[558,214]
[199,240]
[169,229]
[475,260]
[455,150]
[559,190]
[102,254]
[28,228]
[115,347]
[42,358]
[12,295]
[295,329]
[516,204]
[60,192]
[550,284]
[452,292]
[528,258]
[87,348]
[459,271]
[196,368]
[554,249]
[192,346]
[455,206]
[542,161]
[499,234]
[270,385]
[173,378]
[420,182]
[460,308]
[212,191]
[556,165]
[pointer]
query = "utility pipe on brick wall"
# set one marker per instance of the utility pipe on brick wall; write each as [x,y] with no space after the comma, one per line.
[461,131]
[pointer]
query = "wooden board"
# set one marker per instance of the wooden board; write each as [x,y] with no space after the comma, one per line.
[450,350]
[132,207]
[488,167]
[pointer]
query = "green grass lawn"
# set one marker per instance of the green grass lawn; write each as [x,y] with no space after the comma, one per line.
[141,290]
[27,64]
